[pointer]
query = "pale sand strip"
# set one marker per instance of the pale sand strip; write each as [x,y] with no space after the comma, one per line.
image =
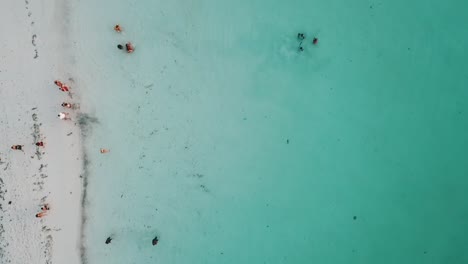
[33,52]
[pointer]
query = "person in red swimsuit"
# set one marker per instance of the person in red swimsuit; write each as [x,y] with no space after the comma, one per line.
[62,87]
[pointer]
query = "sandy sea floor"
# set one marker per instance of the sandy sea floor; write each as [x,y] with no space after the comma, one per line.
[233,146]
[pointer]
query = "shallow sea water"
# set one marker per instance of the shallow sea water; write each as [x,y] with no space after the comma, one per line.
[233,147]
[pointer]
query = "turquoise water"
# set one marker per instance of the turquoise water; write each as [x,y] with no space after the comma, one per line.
[233,147]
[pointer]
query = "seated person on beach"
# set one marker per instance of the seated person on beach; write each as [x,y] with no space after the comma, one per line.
[17,147]
[64,88]
[118,28]
[40,144]
[64,116]
[45,207]
[67,105]
[41,214]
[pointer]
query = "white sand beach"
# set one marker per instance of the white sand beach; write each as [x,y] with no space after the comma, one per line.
[34,53]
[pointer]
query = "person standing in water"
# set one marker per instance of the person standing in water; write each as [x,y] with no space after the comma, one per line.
[118,28]
[128,47]
[155,241]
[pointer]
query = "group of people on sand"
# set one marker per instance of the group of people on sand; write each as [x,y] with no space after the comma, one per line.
[301,37]
[20,147]
[44,209]
[128,46]
[62,115]
[64,88]
[66,116]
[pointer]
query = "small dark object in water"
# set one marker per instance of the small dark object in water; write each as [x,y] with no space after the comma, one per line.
[300,36]
[120,46]
[108,240]
[301,48]
[315,41]
[287,141]
[9,202]
[354,217]
[155,241]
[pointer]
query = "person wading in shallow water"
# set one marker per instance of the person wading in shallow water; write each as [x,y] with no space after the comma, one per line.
[128,47]
[315,41]
[155,241]
[118,28]
[108,240]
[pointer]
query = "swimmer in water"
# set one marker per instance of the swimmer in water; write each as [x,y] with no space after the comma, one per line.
[118,28]
[300,36]
[108,240]
[315,41]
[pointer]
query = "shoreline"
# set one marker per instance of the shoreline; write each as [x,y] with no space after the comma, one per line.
[36,54]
